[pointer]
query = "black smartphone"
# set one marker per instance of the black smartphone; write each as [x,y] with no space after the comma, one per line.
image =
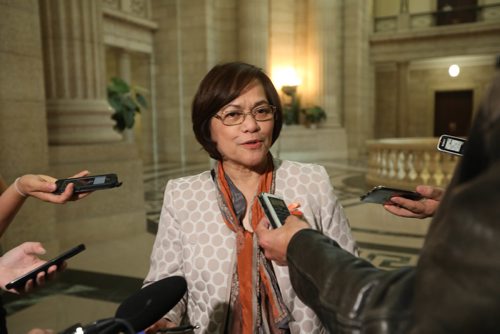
[450,144]
[275,208]
[20,282]
[88,183]
[383,195]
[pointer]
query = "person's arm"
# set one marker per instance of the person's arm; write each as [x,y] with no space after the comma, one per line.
[417,209]
[347,292]
[343,290]
[38,186]
[20,260]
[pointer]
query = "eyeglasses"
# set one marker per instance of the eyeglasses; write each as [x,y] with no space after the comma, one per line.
[235,117]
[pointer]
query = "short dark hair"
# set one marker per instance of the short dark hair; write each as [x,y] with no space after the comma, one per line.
[222,84]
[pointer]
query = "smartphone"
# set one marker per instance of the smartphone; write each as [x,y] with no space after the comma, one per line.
[20,282]
[450,144]
[88,183]
[275,209]
[383,195]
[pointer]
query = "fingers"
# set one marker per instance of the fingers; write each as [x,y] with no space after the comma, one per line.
[67,194]
[399,211]
[82,195]
[263,225]
[41,331]
[40,278]
[294,209]
[160,324]
[30,184]
[80,174]
[29,286]
[430,192]
[33,247]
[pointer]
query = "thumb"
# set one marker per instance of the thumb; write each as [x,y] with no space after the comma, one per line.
[32,247]
[262,226]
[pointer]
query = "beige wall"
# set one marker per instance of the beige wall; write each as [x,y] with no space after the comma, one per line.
[23,126]
[25,147]
[422,85]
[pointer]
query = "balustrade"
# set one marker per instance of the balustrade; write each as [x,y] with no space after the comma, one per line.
[408,162]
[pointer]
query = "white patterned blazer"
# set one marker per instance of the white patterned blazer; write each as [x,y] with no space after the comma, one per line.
[194,242]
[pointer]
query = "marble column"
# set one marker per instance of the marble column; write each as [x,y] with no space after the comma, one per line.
[253,32]
[404,22]
[74,67]
[402,98]
[326,24]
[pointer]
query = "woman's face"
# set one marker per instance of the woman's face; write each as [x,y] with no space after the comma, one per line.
[246,144]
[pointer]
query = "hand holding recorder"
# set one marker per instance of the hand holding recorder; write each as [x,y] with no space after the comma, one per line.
[87,183]
[275,242]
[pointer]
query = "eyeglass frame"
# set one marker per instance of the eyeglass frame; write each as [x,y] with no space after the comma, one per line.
[251,112]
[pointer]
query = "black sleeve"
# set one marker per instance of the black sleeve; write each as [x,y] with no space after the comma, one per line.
[348,293]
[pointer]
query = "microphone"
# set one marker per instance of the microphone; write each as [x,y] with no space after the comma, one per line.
[140,310]
[151,303]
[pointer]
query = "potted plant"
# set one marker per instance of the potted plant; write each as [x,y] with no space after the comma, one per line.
[125,101]
[314,115]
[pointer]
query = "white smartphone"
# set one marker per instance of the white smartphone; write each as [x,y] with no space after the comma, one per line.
[450,144]
[275,209]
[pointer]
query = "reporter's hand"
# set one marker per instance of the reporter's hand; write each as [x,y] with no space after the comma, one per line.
[160,324]
[275,242]
[43,186]
[19,261]
[417,209]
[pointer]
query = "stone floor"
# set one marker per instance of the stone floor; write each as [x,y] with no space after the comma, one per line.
[108,272]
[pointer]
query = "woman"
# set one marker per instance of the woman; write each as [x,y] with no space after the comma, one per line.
[206,225]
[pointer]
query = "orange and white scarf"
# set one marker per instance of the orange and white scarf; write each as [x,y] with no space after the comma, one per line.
[256,304]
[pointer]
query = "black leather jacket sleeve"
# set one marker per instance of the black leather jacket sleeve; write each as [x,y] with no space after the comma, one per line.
[348,294]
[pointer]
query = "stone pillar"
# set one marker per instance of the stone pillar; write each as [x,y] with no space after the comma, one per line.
[253,32]
[358,76]
[404,16]
[124,66]
[326,21]
[81,134]
[402,99]
[23,130]
[74,66]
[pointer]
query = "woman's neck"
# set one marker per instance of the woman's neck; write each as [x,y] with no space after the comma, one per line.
[245,179]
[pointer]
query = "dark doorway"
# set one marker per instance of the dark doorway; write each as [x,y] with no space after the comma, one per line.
[456,11]
[453,112]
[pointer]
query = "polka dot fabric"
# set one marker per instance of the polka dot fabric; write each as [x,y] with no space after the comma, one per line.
[193,241]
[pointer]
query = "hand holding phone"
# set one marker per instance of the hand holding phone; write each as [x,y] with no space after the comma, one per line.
[20,282]
[383,195]
[88,183]
[275,209]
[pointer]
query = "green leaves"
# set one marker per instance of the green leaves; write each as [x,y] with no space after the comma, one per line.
[314,114]
[125,101]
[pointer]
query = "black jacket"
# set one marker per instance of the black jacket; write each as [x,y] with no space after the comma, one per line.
[455,287]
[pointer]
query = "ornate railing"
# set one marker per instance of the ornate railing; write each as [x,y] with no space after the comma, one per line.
[483,13]
[408,162]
